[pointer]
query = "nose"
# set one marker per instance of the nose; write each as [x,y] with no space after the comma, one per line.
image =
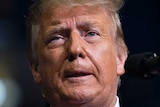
[75,46]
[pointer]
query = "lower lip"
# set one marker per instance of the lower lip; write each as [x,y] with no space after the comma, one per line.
[78,78]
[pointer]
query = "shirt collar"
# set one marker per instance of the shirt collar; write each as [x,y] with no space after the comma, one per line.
[117,102]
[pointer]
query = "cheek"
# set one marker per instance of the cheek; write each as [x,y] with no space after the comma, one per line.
[51,67]
[51,64]
[52,57]
[105,61]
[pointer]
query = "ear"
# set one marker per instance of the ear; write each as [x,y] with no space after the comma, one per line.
[35,72]
[121,58]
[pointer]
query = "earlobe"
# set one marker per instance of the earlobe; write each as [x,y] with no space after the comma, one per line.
[121,58]
[35,72]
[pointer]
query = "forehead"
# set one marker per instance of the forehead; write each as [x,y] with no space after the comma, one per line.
[66,12]
[73,11]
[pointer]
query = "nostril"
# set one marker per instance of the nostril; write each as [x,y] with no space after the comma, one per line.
[81,55]
[71,57]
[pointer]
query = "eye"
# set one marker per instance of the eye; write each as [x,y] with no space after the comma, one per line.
[92,33]
[56,38]
[56,41]
[92,36]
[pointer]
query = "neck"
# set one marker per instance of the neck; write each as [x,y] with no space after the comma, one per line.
[114,103]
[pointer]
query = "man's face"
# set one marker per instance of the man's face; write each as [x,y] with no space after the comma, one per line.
[77,57]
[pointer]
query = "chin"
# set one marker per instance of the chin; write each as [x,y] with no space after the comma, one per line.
[81,95]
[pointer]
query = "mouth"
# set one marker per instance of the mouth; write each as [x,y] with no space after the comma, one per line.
[76,74]
[78,77]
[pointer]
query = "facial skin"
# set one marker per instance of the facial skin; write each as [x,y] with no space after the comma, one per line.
[78,63]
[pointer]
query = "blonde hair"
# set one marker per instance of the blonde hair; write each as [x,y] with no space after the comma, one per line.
[40,6]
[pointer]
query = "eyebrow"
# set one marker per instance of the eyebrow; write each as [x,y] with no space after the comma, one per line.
[86,24]
[56,25]
[55,22]
[57,29]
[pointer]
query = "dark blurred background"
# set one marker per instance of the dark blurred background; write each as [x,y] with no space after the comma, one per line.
[140,21]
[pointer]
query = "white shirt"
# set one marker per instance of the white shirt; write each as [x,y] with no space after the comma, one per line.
[117,103]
